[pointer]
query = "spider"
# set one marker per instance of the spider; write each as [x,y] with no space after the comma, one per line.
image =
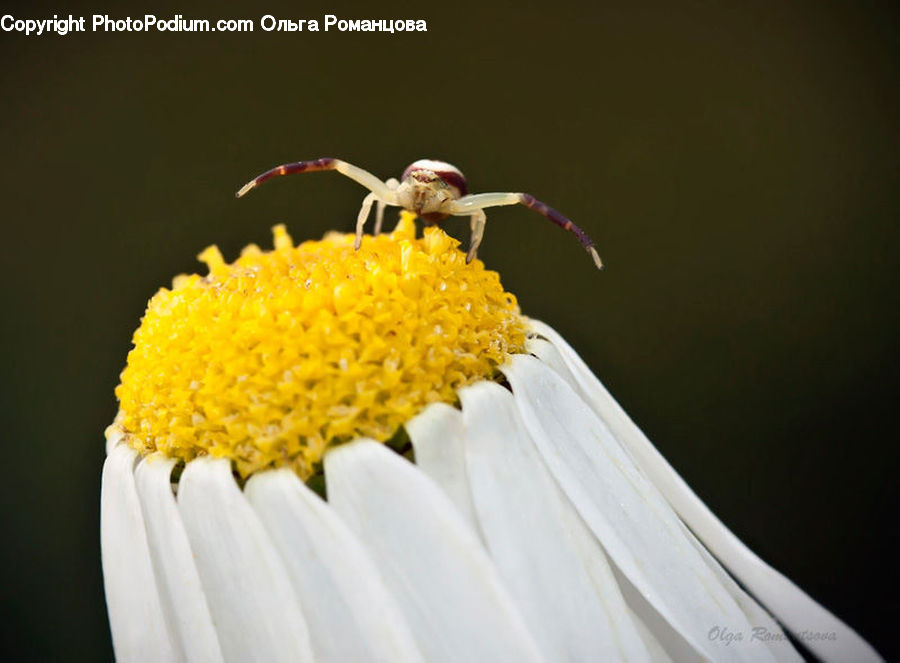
[433,190]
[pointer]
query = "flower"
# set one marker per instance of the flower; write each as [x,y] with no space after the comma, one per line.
[536,523]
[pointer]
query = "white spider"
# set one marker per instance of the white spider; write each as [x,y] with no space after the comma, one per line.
[433,190]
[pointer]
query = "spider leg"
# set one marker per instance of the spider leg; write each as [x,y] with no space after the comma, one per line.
[477,223]
[392,184]
[355,173]
[363,215]
[468,204]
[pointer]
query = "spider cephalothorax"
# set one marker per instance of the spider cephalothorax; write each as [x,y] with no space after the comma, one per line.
[433,190]
[427,186]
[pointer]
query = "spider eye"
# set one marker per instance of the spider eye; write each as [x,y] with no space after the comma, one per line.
[449,173]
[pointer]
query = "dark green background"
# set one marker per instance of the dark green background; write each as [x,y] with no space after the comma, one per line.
[736,163]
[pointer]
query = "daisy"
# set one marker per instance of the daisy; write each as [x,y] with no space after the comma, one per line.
[325,454]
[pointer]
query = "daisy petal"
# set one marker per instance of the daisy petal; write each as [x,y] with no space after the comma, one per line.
[173,563]
[790,604]
[527,525]
[437,438]
[351,617]
[657,653]
[136,618]
[254,608]
[765,629]
[547,353]
[114,435]
[657,633]
[635,525]
[429,557]
[611,587]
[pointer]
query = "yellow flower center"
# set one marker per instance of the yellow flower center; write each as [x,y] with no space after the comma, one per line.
[272,358]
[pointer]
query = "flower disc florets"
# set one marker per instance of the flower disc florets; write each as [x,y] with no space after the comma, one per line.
[270,359]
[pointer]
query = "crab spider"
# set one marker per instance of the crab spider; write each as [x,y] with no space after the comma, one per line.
[433,190]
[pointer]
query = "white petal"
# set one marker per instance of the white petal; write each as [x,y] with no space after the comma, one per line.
[547,353]
[637,528]
[136,618]
[531,533]
[657,632]
[657,653]
[254,608]
[790,604]
[611,586]
[114,436]
[351,616]
[766,631]
[760,620]
[437,438]
[429,557]
[173,563]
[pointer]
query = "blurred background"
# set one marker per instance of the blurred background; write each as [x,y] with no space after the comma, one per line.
[735,162]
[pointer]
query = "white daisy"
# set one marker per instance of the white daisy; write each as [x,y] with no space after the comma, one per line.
[537,524]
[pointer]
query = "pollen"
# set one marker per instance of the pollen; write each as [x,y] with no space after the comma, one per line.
[270,359]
